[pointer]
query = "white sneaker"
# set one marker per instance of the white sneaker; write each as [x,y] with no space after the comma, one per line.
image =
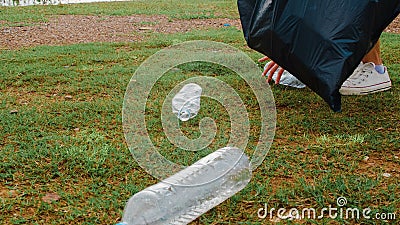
[366,80]
[286,79]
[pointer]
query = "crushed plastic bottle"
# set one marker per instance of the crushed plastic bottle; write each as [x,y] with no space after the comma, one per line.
[286,79]
[191,192]
[186,103]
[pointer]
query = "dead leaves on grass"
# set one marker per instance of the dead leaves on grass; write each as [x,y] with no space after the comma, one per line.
[50,197]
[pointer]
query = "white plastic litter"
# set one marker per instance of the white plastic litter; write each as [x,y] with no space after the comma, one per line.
[186,103]
[191,192]
[286,79]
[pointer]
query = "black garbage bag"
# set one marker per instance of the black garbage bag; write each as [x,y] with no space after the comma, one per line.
[321,42]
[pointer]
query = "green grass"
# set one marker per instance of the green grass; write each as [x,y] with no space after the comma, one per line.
[174,9]
[317,155]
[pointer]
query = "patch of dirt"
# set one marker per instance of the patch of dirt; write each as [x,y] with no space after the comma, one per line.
[7,193]
[375,163]
[394,27]
[71,29]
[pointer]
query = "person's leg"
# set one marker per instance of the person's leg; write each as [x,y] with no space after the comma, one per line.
[374,55]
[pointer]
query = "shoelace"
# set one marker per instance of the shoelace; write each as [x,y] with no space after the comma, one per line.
[361,75]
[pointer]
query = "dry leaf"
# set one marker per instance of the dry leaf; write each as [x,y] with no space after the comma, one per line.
[49,197]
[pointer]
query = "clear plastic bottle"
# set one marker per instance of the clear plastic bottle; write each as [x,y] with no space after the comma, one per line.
[186,103]
[191,192]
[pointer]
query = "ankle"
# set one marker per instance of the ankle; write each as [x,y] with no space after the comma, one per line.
[380,69]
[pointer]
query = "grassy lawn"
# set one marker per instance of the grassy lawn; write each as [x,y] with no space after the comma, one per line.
[183,9]
[61,129]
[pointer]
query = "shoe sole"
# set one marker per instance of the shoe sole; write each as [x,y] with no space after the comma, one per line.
[366,90]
